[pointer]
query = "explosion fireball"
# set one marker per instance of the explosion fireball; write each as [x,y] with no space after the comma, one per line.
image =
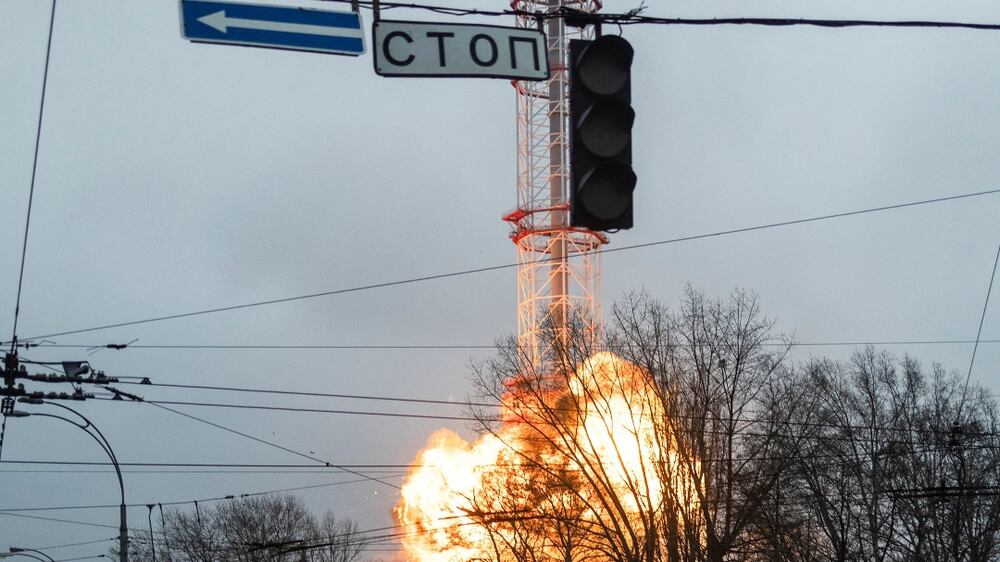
[566,461]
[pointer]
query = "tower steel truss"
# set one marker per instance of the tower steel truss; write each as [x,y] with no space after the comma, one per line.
[559,267]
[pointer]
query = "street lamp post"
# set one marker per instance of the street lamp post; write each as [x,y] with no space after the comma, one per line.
[106,446]
[15,551]
[9,554]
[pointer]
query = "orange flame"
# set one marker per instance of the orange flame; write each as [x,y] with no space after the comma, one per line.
[601,421]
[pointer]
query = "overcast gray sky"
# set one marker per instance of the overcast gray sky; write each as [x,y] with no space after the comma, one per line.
[175,177]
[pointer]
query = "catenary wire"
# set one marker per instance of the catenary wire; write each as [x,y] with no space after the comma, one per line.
[275,445]
[314,394]
[742,431]
[903,494]
[269,492]
[58,546]
[478,270]
[385,539]
[335,468]
[626,19]
[305,410]
[471,418]
[58,520]
[839,426]
[465,404]
[185,502]
[383,347]
[34,173]
[979,333]
[936,448]
[382,473]
[635,17]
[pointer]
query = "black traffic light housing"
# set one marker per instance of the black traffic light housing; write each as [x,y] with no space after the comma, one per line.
[601,118]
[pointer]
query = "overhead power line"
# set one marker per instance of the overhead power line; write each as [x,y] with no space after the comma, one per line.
[625,19]
[309,410]
[183,502]
[635,17]
[57,520]
[979,332]
[478,270]
[384,347]
[43,548]
[160,472]
[334,468]
[929,448]
[789,423]
[275,445]
[746,423]
[314,394]
[34,174]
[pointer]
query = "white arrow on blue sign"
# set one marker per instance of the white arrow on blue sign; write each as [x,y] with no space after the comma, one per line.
[277,27]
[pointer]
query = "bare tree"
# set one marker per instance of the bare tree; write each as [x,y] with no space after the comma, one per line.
[688,437]
[264,528]
[337,539]
[728,398]
[665,450]
[902,469]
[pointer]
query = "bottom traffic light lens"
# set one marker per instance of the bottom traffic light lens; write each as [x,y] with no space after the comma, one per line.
[606,191]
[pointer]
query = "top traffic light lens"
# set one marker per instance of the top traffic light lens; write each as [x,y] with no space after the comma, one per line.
[603,67]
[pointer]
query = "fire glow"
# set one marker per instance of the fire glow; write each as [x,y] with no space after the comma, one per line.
[557,455]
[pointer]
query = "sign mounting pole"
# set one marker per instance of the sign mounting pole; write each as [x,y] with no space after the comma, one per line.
[559,174]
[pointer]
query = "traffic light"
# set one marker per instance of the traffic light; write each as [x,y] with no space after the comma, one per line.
[601,118]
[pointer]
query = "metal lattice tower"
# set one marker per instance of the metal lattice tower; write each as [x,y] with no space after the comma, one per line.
[559,268]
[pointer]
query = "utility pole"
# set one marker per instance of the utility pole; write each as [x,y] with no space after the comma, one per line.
[558,277]
[10,372]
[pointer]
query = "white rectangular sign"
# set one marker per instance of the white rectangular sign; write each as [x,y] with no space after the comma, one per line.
[410,48]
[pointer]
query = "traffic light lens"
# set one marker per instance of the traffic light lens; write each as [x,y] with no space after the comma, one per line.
[604,65]
[606,192]
[606,127]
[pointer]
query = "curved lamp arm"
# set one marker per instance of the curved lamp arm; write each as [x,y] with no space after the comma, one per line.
[106,446]
[89,423]
[85,429]
[39,558]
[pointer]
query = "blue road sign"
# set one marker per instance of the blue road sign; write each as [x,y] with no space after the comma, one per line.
[277,27]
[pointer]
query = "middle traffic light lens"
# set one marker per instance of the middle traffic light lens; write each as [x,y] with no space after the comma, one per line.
[606,127]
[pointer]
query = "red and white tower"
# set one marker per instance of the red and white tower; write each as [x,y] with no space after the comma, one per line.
[559,267]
